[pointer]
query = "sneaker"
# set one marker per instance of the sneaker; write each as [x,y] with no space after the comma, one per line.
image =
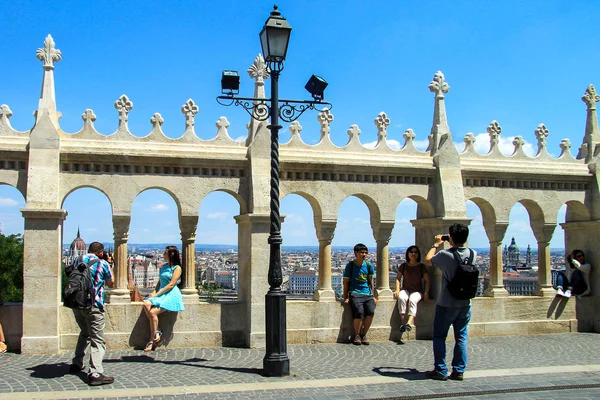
[356,341]
[457,376]
[75,369]
[363,339]
[560,292]
[402,328]
[97,379]
[435,375]
[567,293]
[408,327]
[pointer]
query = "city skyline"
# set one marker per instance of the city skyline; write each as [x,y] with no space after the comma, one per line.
[380,61]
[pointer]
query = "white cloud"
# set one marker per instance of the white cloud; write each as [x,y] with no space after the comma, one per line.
[421,144]
[392,143]
[7,202]
[158,208]
[240,139]
[217,215]
[91,230]
[293,219]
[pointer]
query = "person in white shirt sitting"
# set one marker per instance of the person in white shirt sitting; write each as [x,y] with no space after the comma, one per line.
[578,280]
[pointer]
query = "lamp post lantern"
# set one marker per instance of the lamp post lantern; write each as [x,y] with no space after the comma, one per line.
[274,39]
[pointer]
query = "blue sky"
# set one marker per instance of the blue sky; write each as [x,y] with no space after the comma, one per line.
[521,63]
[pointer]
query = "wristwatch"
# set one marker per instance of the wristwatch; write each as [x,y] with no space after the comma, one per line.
[434,246]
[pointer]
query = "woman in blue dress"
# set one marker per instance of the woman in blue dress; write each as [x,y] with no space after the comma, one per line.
[166,296]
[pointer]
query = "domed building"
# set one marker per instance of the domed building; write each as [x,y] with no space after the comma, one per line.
[511,257]
[77,248]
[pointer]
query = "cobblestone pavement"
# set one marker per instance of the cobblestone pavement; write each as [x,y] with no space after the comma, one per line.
[515,367]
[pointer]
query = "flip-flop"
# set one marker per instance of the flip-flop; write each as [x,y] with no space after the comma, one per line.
[149,346]
[157,336]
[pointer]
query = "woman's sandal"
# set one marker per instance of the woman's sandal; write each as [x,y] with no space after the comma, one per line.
[157,336]
[149,346]
[3,347]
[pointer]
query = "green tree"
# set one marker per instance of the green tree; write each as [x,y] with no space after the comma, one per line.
[11,267]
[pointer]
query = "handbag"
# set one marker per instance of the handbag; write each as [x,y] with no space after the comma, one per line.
[136,295]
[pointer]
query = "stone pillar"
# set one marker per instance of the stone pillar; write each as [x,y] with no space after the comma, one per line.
[120,292]
[383,233]
[188,226]
[496,235]
[325,232]
[253,267]
[543,234]
[496,287]
[42,280]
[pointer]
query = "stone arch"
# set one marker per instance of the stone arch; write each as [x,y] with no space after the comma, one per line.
[240,200]
[162,189]
[577,211]
[424,207]
[85,186]
[7,190]
[19,183]
[314,203]
[372,206]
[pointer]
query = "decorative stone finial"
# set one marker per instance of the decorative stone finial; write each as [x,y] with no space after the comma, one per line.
[258,70]
[590,98]
[494,129]
[123,106]
[469,140]
[438,85]
[222,125]
[409,135]
[222,122]
[518,142]
[5,112]
[157,120]
[541,133]
[88,117]
[353,132]
[295,128]
[325,118]
[189,109]
[382,122]
[48,54]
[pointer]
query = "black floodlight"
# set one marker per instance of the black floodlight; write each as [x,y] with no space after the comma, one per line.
[230,82]
[316,86]
[275,37]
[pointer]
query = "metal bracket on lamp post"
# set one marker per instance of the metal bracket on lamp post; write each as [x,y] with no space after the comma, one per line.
[260,109]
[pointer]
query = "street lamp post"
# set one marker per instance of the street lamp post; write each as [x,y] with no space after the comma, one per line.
[274,39]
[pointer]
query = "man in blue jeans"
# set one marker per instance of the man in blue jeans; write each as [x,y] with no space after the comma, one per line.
[448,310]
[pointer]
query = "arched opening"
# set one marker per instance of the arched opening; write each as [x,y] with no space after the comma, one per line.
[153,226]
[11,243]
[403,235]
[216,248]
[519,254]
[479,241]
[300,249]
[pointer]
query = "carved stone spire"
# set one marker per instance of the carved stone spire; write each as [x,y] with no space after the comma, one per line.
[541,134]
[494,130]
[592,134]
[440,131]
[325,118]
[189,109]
[381,122]
[259,72]
[48,54]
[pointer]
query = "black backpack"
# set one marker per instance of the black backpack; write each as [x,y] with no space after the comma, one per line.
[79,291]
[464,284]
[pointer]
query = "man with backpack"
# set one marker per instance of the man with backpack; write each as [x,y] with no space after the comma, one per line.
[459,285]
[88,308]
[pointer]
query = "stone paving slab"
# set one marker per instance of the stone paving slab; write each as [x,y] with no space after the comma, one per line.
[327,371]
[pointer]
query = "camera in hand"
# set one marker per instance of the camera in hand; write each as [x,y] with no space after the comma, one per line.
[446,238]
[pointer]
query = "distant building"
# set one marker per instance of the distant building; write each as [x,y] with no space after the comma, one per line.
[226,279]
[337,284]
[304,282]
[520,285]
[511,256]
[77,248]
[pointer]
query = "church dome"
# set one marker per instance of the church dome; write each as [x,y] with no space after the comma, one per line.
[513,246]
[78,244]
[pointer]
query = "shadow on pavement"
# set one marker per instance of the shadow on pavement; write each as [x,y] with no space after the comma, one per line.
[189,362]
[52,371]
[410,374]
